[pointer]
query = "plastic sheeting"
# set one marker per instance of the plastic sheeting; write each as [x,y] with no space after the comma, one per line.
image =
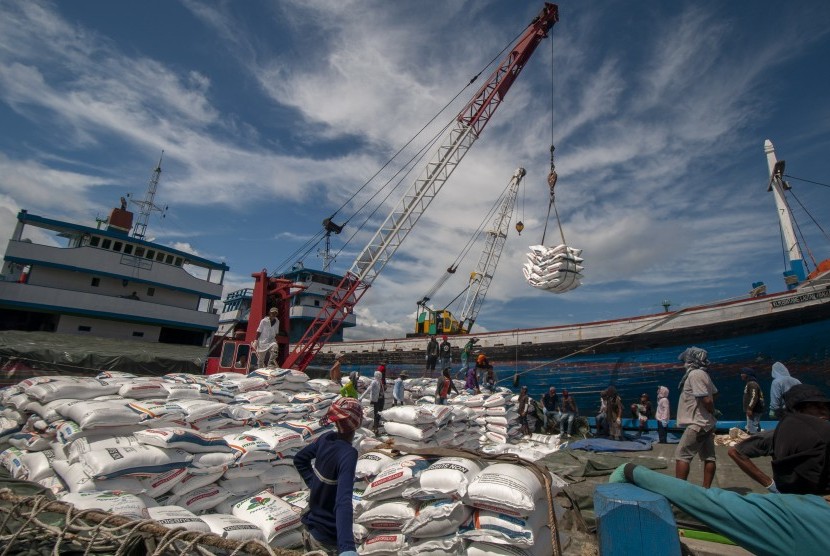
[24,354]
[555,269]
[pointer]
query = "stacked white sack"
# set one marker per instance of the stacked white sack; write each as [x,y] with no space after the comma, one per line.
[453,506]
[188,444]
[555,269]
[502,417]
[415,425]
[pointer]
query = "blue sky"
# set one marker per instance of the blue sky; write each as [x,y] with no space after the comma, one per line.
[271,114]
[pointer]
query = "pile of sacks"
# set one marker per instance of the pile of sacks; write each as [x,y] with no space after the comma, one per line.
[555,269]
[453,505]
[208,453]
[428,424]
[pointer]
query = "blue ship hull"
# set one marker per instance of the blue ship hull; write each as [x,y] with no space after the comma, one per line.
[643,362]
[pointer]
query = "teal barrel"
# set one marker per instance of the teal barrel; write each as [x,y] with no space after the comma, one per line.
[631,520]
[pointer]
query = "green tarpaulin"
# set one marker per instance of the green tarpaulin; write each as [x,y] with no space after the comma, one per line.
[21,353]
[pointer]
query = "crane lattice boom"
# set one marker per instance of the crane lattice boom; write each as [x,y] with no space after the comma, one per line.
[494,244]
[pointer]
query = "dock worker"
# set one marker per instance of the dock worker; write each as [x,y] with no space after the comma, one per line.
[445,353]
[550,407]
[397,389]
[336,371]
[753,401]
[349,390]
[781,382]
[466,351]
[266,339]
[696,412]
[327,467]
[432,353]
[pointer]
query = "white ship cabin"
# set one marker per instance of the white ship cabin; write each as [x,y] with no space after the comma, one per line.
[235,310]
[63,277]
[305,306]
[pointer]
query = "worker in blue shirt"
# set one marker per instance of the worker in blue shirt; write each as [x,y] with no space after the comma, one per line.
[327,467]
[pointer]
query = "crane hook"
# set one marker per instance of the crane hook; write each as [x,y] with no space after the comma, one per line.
[552,176]
[519,227]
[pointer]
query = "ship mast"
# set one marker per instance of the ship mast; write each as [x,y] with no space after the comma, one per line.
[777,185]
[147,206]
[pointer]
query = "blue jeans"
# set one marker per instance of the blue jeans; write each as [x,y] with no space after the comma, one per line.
[567,421]
[753,424]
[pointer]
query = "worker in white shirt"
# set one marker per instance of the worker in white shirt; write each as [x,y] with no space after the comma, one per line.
[266,339]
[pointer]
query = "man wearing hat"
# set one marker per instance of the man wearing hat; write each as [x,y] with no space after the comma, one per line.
[265,344]
[753,402]
[327,467]
[801,443]
[799,438]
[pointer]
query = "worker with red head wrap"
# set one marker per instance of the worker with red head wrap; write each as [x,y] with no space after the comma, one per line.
[327,466]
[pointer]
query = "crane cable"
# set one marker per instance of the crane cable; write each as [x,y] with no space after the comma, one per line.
[309,245]
[439,283]
[552,176]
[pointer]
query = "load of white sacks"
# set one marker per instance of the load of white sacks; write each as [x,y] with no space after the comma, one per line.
[555,269]
[207,453]
[414,505]
[214,453]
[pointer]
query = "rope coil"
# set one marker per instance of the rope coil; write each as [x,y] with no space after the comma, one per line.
[23,523]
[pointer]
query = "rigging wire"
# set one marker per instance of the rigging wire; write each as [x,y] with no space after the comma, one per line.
[808,181]
[466,249]
[424,127]
[417,157]
[824,233]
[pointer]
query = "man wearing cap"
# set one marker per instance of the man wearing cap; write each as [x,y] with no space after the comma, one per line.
[696,412]
[753,402]
[265,344]
[327,467]
[445,353]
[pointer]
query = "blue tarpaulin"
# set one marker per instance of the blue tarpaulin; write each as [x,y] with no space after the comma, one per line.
[632,443]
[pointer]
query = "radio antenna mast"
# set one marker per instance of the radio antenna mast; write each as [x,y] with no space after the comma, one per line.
[147,206]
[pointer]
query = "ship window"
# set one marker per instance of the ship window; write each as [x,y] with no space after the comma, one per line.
[227,355]
[160,257]
[84,329]
[169,259]
[150,254]
[178,261]
[138,334]
[106,243]
[151,291]
[139,251]
[117,246]
[316,302]
[94,241]
[96,282]
[128,249]
[242,356]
